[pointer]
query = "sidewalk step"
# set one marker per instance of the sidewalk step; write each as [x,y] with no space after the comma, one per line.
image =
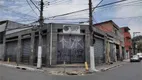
[68,66]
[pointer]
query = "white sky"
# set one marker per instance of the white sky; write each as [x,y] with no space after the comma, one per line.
[130,8]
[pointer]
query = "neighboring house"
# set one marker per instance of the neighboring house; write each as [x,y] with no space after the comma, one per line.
[5,26]
[127,41]
[114,41]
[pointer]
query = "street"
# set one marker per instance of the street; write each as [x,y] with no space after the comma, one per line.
[130,71]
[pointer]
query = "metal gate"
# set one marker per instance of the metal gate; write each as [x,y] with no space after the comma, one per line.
[112,52]
[26,50]
[70,49]
[11,50]
[99,51]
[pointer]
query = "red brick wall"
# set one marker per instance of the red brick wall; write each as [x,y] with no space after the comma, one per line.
[106,27]
[127,39]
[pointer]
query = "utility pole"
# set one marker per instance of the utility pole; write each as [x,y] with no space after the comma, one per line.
[41,20]
[92,58]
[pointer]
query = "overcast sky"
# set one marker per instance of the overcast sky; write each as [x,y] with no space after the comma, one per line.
[128,13]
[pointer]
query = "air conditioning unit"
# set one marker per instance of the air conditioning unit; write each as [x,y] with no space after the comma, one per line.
[66,29]
[75,29]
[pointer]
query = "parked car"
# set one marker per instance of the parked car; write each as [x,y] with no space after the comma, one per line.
[140,55]
[135,58]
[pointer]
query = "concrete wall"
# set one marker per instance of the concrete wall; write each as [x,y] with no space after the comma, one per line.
[55,28]
[47,27]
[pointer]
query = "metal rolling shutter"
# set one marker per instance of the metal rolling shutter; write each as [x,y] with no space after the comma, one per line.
[112,57]
[63,53]
[36,49]
[77,49]
[44,50]
[26,50]
[71,49]
[1,51]
[99,51]
[11,50]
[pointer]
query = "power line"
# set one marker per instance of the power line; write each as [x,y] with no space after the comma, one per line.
[96,6]
[58,1]
[35,5]
[13,11]
[126,17]
[129,3]
[69,19]
[31,7]
[86,9]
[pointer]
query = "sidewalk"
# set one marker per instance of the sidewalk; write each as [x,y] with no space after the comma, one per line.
[60,70]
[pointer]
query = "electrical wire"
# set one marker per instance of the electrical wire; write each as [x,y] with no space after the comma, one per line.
[35,5]
[31,7]
[68,18]
[98,4]
[57,2]
[86,9]
[121,5]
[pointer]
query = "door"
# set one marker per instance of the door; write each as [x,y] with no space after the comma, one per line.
[77,49]
[70,49]
[26,50]
[11,50]
[63,53]
[99,51]
[112,52]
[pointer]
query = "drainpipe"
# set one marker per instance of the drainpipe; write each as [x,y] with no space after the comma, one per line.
[51,45]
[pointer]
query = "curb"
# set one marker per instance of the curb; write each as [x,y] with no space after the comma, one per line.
[106,69]
[21,67]
[42,70]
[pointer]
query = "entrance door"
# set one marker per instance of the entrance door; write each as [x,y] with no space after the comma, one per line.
[99,51]
[70,49]
[26,50]
[11,50]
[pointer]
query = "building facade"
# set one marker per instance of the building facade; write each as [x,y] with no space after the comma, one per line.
[114,41]
[60,42]
[127,41]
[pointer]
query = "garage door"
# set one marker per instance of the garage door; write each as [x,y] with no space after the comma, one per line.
[99,51]
[70,49]
[26,50]
[11,50]
[1,50]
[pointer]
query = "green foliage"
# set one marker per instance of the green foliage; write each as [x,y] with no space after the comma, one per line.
[139,45]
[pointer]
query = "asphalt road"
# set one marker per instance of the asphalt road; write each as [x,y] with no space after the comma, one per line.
[130,71]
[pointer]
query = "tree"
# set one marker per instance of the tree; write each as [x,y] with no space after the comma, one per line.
[139,45]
